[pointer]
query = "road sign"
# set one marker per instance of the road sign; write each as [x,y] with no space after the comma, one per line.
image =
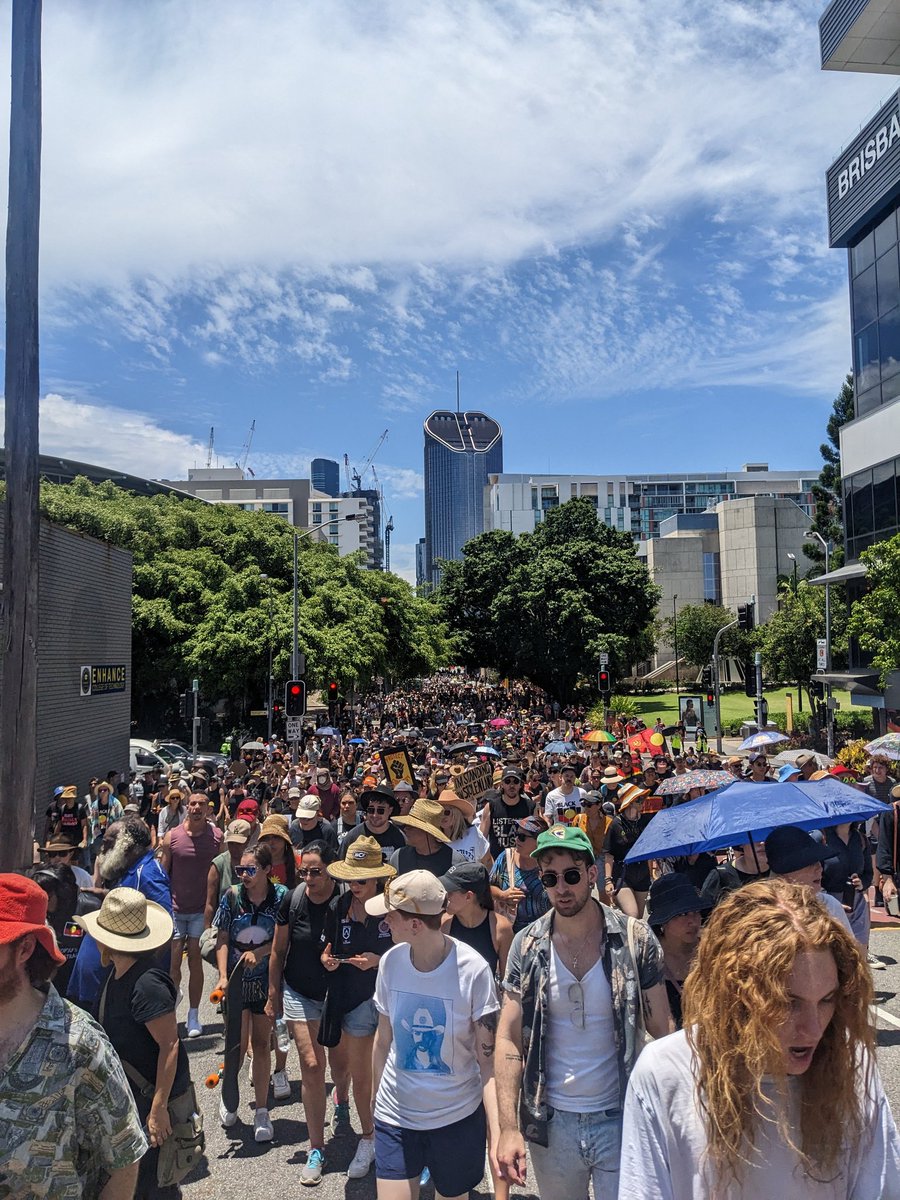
[821,654]
[604,659]
[259,712]
[294,729]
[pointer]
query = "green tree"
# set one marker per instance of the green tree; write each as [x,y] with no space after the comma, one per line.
[828,513]
[544,605]
[788,639]
[873,618]
[697,626]
[213,595]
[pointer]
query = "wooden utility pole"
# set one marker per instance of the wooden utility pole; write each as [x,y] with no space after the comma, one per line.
[18,698]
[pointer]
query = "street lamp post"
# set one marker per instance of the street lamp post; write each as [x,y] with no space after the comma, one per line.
[829,719]
[675,640]
[793,558]
[269,699]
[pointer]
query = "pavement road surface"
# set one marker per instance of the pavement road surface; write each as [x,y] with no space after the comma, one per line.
[237,1167]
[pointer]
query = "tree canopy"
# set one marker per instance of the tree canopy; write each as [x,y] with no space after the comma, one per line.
[873,618]
[697,627]
[213,591]
[544,605]
[828,510]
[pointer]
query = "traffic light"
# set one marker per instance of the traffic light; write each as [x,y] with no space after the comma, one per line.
[746,616]
[604,681]
[707,678]
[749,667]
[187,705]
[817,688]
[295,698]
[761,710]
[332,693]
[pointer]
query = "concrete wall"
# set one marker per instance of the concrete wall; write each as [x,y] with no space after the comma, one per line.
[85,620]
[676,567]
[755,536]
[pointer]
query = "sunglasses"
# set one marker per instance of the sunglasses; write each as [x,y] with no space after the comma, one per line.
[251,871]
[524,837]
[378,809]
[550,879]
[312,872]
[57,853]
[590,803]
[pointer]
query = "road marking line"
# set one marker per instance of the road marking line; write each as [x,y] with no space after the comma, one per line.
[886,1016]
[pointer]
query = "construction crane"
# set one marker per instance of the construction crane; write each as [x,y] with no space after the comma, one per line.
[209,452]
[388,530]
[358,476]
[246,447]
[347,473]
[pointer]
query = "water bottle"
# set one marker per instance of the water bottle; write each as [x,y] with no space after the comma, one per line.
[282,1040]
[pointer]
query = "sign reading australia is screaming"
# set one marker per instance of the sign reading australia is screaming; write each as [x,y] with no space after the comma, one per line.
[98,681]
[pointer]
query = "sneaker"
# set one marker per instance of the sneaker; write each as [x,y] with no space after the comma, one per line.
[262,1126]
[227,1118]
[311,1174]
[362,1159]
[874,961]
[194,1028]
[425,1178]
[340,1118]
[281,1088]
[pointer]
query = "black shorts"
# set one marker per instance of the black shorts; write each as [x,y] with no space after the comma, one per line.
[454,1154]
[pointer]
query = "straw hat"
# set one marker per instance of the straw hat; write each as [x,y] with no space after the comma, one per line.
[364,860]
[630,794]
[128,921]
[275,826]
[425,815]
[58,846]
[449,799]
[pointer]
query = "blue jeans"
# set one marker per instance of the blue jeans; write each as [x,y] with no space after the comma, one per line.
[582,1147]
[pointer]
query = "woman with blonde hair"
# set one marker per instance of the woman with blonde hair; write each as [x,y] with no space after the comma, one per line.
[771,1088]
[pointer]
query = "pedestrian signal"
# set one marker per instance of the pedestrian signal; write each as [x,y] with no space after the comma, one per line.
[295,698]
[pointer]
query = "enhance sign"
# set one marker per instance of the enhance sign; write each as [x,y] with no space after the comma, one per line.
[99,681]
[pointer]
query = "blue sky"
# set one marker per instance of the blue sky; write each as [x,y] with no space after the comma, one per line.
[608,217]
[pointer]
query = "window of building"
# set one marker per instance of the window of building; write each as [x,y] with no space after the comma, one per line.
[875,297]
[534,498]
[862,254]
[333,539]
[279,509]
[317,518]
[884,499]
[712,578]
[317,506]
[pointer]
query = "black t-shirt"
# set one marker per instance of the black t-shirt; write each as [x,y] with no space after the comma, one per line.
[389,840]
[407,859]
[303,970]
[142,994]
[347,937]
[322,832]
[65,822]
[502,832]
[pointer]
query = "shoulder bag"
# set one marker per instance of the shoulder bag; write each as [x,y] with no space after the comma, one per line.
[641,1035]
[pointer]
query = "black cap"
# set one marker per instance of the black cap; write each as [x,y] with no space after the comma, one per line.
[512,773]
[467,877]
[789,848]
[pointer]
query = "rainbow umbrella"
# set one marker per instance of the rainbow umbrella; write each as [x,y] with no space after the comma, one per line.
[598,735]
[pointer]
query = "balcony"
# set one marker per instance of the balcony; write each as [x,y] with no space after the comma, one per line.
[861,35]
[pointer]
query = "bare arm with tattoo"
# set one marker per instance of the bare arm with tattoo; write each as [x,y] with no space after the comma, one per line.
[508,1072]
[485,1039]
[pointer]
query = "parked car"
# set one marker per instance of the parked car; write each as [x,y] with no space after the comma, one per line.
[143,758]
[175,749]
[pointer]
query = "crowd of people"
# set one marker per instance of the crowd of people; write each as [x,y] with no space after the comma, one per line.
[433,922]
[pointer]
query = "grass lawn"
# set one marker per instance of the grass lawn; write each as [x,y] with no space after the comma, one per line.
[735,705]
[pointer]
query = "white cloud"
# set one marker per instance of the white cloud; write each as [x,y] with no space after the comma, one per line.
[179,136]
[403,561]
[103,435]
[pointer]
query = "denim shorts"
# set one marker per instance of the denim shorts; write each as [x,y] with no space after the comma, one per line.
[361,1021]
[454,1154]
[188,925]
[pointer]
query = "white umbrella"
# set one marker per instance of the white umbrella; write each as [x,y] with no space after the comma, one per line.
[786,757]
[253,746]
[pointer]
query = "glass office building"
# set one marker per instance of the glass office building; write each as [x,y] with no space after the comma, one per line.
[461,450]
[325,476]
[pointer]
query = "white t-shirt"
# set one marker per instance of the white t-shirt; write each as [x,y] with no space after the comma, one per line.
[582,1064]
[473,845]
[560,807]
[835,909]
[431,1077]
[664,1143]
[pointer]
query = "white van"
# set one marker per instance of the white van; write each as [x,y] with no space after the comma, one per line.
[142,758]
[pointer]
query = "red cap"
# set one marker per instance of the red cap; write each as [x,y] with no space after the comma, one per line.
[840,769]
[247,808]
[23,909]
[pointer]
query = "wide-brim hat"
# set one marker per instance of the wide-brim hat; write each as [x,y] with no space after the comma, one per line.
[58,845]
[449,799]
[631,794]
[23,910]
[611,775]
[364,860]
[128,921]
[425,815]
[671,896]
[380,792]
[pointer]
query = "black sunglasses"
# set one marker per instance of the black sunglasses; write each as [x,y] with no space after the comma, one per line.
[313,872]
[550,879]
[524,837]
[378,808]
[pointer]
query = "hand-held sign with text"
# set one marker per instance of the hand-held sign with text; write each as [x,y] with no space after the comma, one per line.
[473,782]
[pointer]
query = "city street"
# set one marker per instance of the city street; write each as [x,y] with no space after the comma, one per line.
[238,1167]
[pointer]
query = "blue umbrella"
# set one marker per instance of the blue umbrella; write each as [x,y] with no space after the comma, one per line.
[560,748]
[741,812]
[357,742]
[767,737]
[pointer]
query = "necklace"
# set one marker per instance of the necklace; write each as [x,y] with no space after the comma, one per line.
[575,956]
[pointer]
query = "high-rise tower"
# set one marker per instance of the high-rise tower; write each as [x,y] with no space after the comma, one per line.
[461,450]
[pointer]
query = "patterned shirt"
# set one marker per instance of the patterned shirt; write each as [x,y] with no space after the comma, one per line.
[528,976]
[67,1115]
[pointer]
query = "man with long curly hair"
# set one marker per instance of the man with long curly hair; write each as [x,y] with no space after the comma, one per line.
[771,1088]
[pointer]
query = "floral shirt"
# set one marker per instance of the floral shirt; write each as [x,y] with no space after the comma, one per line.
[528,977]
[67,1115]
